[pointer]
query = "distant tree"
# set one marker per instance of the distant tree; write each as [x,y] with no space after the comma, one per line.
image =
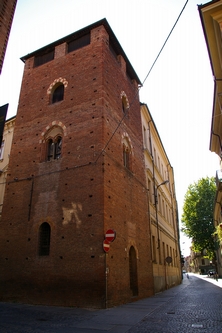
[197,218]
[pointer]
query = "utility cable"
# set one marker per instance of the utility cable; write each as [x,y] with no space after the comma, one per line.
[165,42]
[127,111]
[121,120]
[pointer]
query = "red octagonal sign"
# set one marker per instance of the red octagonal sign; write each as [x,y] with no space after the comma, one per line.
[110,235]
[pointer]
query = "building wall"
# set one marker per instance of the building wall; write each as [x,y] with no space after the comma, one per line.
[82,194]
[7,9]
[5,155]
[211,18]
[163,207]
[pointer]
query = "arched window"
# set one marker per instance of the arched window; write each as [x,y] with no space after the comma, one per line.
[58,94]
[44,239]
[124,104]
[133,271]
[126,153]
[126,159]
[54,148]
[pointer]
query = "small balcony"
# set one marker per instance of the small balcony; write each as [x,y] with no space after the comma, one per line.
[219,180]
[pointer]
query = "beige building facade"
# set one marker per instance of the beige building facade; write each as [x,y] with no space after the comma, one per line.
[211,19]
[163,207]
[5,155]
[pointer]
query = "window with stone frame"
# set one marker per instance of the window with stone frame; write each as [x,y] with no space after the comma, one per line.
[52,144]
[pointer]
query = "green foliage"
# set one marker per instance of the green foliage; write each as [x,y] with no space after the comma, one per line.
[218,232]
[197,217]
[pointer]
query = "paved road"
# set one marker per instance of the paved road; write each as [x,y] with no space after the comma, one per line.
[193,307]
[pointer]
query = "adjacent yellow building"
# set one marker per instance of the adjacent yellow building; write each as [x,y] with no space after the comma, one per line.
[5,155]
[163,207]
[211,19]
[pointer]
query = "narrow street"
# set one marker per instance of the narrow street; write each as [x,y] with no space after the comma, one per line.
[193,307]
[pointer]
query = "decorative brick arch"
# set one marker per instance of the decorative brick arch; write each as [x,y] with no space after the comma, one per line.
[53,123]
[55,82]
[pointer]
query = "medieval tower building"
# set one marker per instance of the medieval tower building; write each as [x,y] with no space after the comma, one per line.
[77,170]
[7,10]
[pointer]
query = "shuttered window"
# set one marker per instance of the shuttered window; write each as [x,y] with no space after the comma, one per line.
[79,43]
[44,58]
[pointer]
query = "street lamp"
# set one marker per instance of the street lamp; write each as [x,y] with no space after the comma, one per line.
[156,202]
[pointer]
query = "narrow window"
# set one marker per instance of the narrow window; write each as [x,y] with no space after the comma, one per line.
[164,255]
[2,150]
[150,191]
[58,94]
[159,201]
[160,256]
[126,157]
[50,149]
[124,104]
[163,208]
[154,248]
[58,148]
[171,254]
[54,148]
[44,239]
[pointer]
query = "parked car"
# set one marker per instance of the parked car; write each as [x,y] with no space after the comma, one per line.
[211,272]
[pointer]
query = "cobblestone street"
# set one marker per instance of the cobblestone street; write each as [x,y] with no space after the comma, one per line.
[195,306]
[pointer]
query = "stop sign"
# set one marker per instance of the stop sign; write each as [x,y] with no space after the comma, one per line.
[106,245]
[110,235]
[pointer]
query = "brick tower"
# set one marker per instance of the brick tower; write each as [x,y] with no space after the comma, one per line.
[76,170]
[7,10]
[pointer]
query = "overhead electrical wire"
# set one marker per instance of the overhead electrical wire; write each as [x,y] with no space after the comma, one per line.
[120,122]
[126,113]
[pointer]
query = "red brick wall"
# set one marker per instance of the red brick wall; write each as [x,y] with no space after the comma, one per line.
[82,194]
[7,9]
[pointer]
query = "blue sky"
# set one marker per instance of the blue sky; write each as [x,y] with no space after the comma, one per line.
[179,89]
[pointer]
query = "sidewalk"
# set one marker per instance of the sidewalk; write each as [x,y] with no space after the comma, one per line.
[210,279]
[17,318]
